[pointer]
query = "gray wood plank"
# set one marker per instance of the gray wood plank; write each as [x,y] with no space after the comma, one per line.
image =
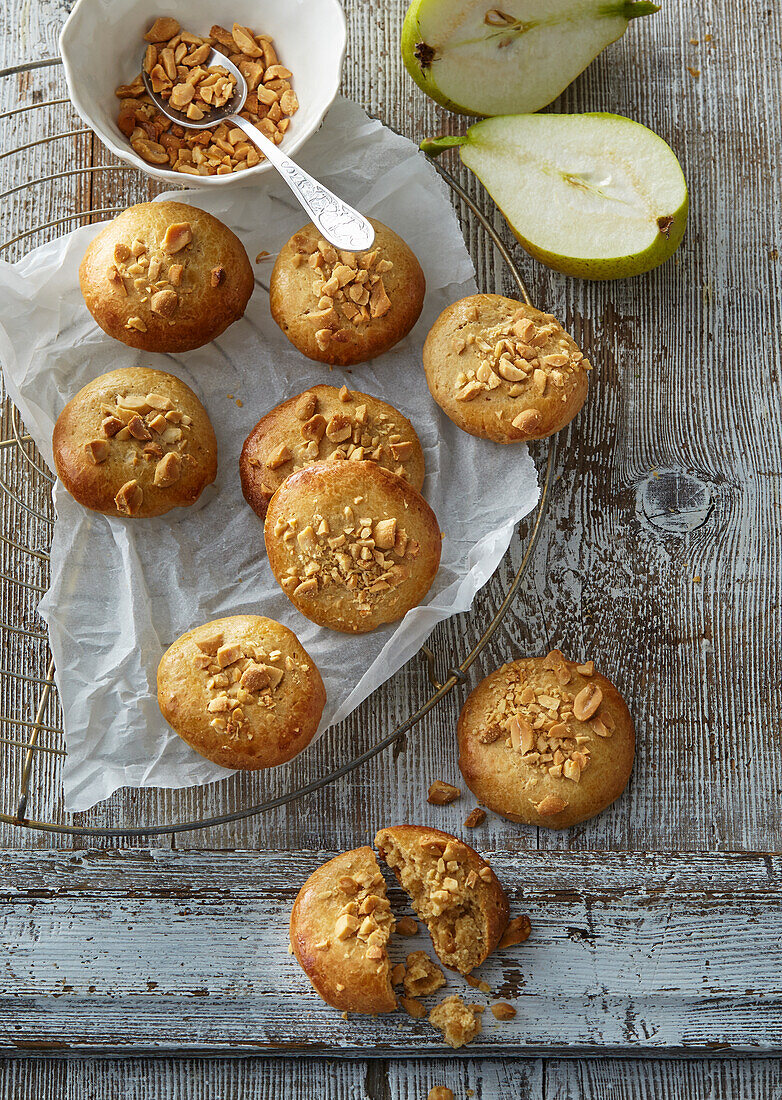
[683,1079]
[181,1079]
[158,950]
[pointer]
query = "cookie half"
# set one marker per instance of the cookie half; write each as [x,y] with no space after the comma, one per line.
[546,741]
[326,423]
[135,443]
[339,930]
[346,307]
[352,545]
[166,277]
[453,890]
[242,691]
[504,371]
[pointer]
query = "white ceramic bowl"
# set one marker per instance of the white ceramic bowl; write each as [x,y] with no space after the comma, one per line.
[102,45]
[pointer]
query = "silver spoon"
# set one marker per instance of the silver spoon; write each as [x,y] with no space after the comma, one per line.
[339,223]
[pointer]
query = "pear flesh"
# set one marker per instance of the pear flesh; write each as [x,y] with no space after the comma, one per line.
[593,195]
[511,59]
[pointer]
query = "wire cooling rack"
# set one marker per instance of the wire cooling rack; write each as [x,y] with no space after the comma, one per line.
[32,745]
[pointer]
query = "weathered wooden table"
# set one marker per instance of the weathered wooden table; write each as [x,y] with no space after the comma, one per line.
[657,928]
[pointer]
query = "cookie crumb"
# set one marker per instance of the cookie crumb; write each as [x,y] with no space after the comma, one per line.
[440,1092]
[459,1023]
[441,794]
[413,1007]
[518,931]
[503,1011]
[474,818]
[406,926]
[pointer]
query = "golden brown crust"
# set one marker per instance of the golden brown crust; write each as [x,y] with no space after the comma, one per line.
[320,316]
[315,426]
[351,973]
[504,371]
[576,769]
[96,456]
[177,310]
[330,516]
[242,691]
[453,890]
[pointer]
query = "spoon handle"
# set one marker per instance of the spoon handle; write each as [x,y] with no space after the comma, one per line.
[339,223]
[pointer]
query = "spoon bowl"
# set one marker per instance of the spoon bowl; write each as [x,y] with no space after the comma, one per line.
[338,222]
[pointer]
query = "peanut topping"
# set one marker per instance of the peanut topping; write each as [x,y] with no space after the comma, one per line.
[167,471]
[406,926]
[98,450]
[177,236]
[538,721]
[175,64]
[129,498]
[239,676]
[138,427]
[350,434]
[587,701]
[440,793]
[517,931]
[164,302]
[348,557]
[517,356]
[348,287]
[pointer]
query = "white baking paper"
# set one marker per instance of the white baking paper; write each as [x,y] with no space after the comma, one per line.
[122,591]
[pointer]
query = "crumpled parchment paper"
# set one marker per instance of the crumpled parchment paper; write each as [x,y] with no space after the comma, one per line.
[122,591]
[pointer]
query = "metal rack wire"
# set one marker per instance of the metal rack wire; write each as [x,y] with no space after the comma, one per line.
[31,735]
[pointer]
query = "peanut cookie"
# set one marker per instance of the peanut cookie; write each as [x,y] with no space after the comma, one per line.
[165,276]
[242,691]
[546,741]
[452,888]
[135,442]
[504,371]
[352,545]
[326,423]
[339,931]
[346,307]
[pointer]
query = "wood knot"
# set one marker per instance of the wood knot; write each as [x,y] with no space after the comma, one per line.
[675,502]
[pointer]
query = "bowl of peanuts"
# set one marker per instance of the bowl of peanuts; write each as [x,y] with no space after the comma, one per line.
[290,53]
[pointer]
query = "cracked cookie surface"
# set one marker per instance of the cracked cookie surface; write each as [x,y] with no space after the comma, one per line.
[504,371]
[546,741]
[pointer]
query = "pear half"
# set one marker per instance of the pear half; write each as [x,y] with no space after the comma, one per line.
[511,59]
[594,195]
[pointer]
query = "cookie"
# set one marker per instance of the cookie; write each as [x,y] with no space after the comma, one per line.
[344,307]
[166,277]
[546,741]
[504,371]
[339,931]
[452,889]
[135,442]
[326,423]
[459,1023]
[242,691]
[352,545]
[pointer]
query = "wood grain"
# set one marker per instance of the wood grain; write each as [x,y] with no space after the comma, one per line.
[155,950]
